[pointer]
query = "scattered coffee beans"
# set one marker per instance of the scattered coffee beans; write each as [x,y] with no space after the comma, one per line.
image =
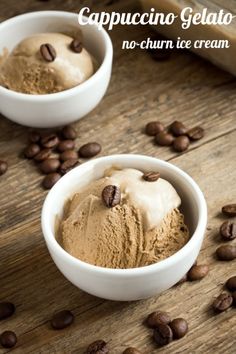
[62,319]
[97,347]
[156,318]
[231,283]
[48,52]
[76,45]
[68,165]
[226,252]
[222,302]
[111,196]
[42,155]
[3,167]
[198,272]
[163,334]
[66,145]
[68,155]
[164,139]
[178,128]
[181,143]
[151,176]
[31,151]
[8,339]
[229,210]
[69,132]
[6,310]
[228,230]
[196,133]
[179,327]
[50,180]
[49,166]
[89,150]
[153,128]
[34,137]
[131,350]
[49,141]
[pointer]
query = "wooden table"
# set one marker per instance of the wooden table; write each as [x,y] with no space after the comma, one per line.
[185,88]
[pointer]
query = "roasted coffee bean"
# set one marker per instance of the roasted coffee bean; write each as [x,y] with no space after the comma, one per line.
[65,145]
[50,141]
[196,133]
[164,139]
[229,210]
[153,128]
[156,318]
[179,327]
[42,155]
[151,176]
[234,298]
[50,180]
[226,252]
[181,143]
[62,319]
[228,230]
[3,167]
[131,350]
[6,310]
[231,283]
[69,155]
[163,334]
[31,151]
[111,196]
[97,347]
[159,54]
[198,272]
[34,137]
[8,339]
[68,165]
[69,132]
[178,128]
[48,52]
[89,150]
[76,45]
[49,166]
[222,302]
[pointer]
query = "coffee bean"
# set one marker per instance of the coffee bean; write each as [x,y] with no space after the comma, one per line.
[3,167]
[31,151]
[97,347]
[69,132]
[228,230]
[229,210]
[164,139]
[34,137]
[89,150]
[181,143]
[50,180]
[66,145]
[156,318]
[76,45]
[42,155]
[131,350]
[151,176]
[198,272]
[226,252]
[50,141]
[48,52]
[69,155]
[196,133]
[68,165]
[163,334]
[62,319]
[178,128]
[231,283]
[8,339]
[111,196]
[49,166]
[234,298]
[153,128]
[222,302]
[179,327]
[6,310]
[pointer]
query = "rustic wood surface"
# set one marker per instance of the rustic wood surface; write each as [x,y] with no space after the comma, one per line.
[185,88]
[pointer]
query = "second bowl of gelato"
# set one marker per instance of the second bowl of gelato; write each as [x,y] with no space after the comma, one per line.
[124,227]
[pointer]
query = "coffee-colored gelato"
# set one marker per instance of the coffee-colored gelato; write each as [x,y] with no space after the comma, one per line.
[145,227]
[25,70]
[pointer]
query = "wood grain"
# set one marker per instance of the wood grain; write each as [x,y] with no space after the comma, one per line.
[185,88]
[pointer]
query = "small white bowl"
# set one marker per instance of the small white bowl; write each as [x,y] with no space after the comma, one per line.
[136,283]
[51,110]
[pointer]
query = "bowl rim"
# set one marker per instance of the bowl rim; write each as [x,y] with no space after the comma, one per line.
[77,89]
[61,253]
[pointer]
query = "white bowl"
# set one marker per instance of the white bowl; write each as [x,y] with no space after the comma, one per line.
[51,110]
[136,283]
